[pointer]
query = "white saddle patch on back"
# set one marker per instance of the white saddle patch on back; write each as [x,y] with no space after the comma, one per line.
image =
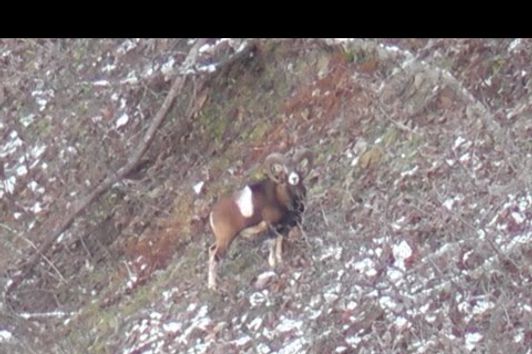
[244,201]
[293,178]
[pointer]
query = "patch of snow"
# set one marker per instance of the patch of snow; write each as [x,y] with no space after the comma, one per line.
[330,297]
[518,240]
[410,172]
[518,217]
[126,46]
[482,306]
[101,83]
[340,349]
[519,336]
[167,294]
[41,102]
[294,347]
[514,44]
[332,251]
[242,341]
[167,68]
[108,68]
[5,336]
[287,325]
[206,68]
[12,145]
[198,187]
[365,266]
[9,184]
[205,48]
[448,204]
[264,278]
[263,348]
[424,308]
[387,302]
[396,225]
[242,46]
[191,307]
[524,204]
[36,208]
[465,157]
[244,317]
[313,314]
[130,79]
[200,321]
[96,119]
[27,120]
[353,340]
[28,316]
[315,300]
[351,305]
[122,120]
[467,255]
[459,141]
[37,151]
[155,316]
[400,322]
[255,324]
[430,318]
[471,340]
[401,252]
[257,298]
[395,275]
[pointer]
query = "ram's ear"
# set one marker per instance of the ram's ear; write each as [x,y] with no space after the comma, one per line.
[303,160]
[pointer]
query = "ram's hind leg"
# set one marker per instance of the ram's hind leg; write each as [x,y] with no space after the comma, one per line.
[213,267]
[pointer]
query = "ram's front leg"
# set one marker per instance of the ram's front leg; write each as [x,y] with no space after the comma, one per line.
[276,251]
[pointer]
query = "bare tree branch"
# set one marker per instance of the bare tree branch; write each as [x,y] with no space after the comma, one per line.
[112,177]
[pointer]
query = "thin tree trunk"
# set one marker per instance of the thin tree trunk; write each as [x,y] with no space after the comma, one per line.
[112,178]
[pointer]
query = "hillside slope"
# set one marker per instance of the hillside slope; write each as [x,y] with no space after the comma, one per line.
[417,233]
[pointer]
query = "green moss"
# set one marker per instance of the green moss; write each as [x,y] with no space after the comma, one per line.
[349,56]
[41,126]
[259,131]
[496,65]
[214,124]
[390,136]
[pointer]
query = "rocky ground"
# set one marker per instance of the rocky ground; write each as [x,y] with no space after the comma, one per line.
[416,239]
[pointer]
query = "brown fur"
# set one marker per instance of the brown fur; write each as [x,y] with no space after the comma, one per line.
[275,203]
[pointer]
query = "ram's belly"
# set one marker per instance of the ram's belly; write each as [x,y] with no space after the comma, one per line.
[255,230]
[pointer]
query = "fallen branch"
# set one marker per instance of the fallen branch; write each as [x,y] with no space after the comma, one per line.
[112,177]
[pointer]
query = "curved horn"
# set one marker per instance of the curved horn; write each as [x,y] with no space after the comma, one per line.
[302,154]
[272,160]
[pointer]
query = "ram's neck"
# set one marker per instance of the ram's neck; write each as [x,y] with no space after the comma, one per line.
[283,195]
